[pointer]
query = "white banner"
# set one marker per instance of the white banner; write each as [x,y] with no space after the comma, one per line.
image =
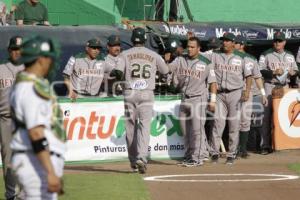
[96,130]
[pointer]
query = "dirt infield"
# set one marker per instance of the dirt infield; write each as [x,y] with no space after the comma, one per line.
[276,163]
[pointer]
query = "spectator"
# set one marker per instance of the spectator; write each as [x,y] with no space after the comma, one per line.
[2,13]
[31,12]
[159,4]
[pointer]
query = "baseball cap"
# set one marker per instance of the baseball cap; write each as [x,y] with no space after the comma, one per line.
[113,40]
[214,42]
[15,42]
[279,36]
[241,40]
[36,47]
[228,36]
[95,42]
[172,44]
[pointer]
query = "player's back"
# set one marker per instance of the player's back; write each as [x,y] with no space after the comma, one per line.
[141,65]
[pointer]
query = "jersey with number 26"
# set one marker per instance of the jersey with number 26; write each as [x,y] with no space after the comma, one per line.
[139,66]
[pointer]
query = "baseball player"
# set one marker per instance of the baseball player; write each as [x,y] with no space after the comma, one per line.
[277,65]
[214,44]
[256,89]
[194,72]
[38,142]
[114,50]
[9,70]
[230,72]
[84,72]
[138,65]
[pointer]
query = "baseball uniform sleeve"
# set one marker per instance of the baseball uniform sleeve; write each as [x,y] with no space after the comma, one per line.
[161,65]
[255,70]
[69,67]
[108,67]
[121,63]
[262,62]
[173,66]
[211,78]
[37,115]
[247,70]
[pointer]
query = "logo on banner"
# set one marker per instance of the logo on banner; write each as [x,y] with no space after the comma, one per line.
[271,31]
[250,35]
[220,31]
[182,30]
[289,114]
[296,33]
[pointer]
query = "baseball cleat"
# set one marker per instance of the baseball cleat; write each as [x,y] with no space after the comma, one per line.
[193,163]
[214,158]
[229,161]
[142,168]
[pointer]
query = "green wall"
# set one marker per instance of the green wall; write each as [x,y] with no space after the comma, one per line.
[82,12]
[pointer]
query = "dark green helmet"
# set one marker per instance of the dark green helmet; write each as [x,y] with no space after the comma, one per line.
[36,47]
[138,36]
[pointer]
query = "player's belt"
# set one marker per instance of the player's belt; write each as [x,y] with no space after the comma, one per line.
[85,94]
[228,91]
[191,96]
[52,153]
[275,83]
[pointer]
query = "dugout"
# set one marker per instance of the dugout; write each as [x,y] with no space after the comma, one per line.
[72,38]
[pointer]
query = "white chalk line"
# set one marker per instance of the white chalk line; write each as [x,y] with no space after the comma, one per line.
[276,177]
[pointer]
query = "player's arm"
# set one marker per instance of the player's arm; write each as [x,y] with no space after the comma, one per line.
[259,82]
[19,16]
[118,71]
[266,73]
[41,149]
[212,81]
[248,76]
[67,74]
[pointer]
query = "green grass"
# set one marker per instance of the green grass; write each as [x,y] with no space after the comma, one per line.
[101,186]
[295,167]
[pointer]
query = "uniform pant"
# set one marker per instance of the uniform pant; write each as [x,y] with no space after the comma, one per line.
[5,139]
[138,113]
[192,116]
[32,176]
[228,107]
[266,130]
[246,112]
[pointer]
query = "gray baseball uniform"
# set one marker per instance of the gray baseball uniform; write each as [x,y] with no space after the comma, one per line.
[193,76]
[112,63]
[86,75]
[230,73]
[7,78]
[139,66]
[271,60]
[246,110]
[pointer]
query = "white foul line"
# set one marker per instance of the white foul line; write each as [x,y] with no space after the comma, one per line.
[276,177]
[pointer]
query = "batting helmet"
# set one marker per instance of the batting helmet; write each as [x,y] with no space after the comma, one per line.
[138,35]
[36,47]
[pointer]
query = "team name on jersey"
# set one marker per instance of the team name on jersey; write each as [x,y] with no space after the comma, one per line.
[189,72]
[140,56]
[277,65]
[88,72]
[226,67]
[5,83]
